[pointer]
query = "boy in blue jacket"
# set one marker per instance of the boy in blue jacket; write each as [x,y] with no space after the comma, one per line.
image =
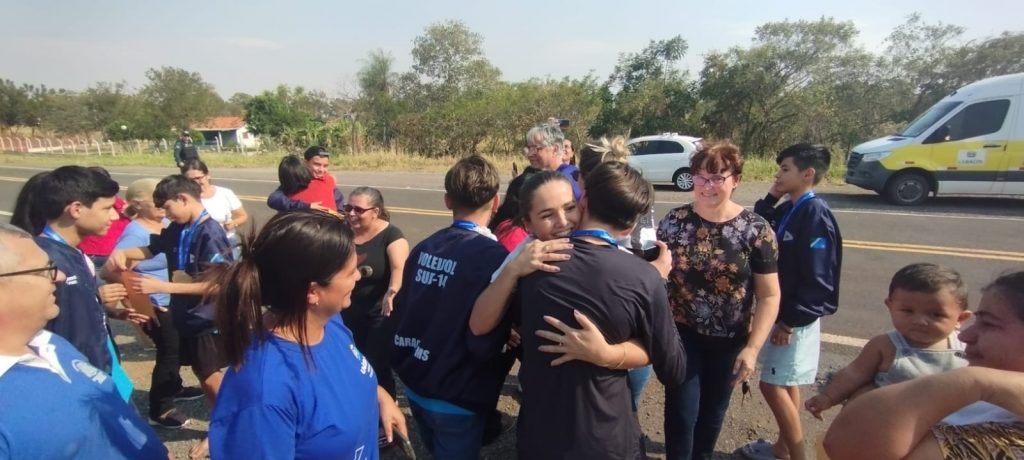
[810,257]
[452,378]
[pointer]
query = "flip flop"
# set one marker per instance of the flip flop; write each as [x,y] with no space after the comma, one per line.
[758,450]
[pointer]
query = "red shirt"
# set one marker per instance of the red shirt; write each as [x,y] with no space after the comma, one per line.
[321,190]
[94,245]
[510,235]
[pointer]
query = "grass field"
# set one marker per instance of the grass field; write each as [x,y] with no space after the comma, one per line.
[756,169]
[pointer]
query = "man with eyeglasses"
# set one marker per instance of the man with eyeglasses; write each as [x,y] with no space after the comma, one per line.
[44,379]
[321,194]
[545,150]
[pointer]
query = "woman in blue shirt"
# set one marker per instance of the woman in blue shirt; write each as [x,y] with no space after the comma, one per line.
[297,387]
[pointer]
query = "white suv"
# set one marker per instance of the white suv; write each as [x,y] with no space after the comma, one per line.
[665,158]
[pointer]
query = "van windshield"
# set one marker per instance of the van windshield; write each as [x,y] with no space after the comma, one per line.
[927,119]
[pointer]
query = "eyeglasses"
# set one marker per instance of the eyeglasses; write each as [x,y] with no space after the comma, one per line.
[536,148]
[348,208]
[715,180]
[198,179]
[50,271]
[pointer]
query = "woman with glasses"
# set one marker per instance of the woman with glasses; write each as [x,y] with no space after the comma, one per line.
[382,250]
[723,258]
[297,386]
[222,203]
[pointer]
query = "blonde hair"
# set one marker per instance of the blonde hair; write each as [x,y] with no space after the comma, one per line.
[139,190]
[602,150]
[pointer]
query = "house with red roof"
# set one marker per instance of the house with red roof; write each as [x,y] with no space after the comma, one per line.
[224,131]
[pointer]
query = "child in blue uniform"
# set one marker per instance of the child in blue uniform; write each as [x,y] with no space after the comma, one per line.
[810,260]
[452,377]
[193,242]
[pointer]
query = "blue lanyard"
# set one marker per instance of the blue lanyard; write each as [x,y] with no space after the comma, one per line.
[53,235]
[599,234]
[781,231]
[465,225]
[185,240]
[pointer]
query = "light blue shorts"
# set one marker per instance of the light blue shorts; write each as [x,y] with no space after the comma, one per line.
[793,364]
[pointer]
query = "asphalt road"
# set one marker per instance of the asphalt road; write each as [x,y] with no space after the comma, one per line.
[978,236]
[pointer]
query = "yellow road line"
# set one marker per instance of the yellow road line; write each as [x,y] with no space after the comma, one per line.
[935,248]
[987,254]
[955,252]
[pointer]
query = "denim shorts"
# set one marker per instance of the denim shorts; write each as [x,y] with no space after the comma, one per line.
[793,364]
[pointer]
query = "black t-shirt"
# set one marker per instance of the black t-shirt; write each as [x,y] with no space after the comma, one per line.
[370,290]
[578,409]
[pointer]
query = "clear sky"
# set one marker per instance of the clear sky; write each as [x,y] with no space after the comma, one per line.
[254,45]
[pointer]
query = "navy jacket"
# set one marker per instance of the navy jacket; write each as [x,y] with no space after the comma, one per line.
[810,259]
[192,316]
[435,353]
[82,320]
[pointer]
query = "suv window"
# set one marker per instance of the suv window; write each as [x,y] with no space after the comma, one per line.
[976,120]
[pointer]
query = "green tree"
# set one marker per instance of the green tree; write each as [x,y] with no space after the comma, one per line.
[449,59]
[179,97]
[235,105]
[764,97]
[646,93]
[377,88]
[13,104]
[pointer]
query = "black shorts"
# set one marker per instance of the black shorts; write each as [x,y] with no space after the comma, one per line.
[203,353]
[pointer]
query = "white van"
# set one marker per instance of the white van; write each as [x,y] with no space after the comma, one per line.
[971,142]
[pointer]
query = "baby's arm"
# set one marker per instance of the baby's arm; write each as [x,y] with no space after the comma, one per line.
[851,378]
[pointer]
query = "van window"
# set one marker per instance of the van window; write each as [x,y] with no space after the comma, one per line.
[977,120]
[927,119]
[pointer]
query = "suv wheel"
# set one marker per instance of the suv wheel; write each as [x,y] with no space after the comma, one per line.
[683,179]
[908,189]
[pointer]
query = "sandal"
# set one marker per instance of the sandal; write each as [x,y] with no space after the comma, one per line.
[758,450]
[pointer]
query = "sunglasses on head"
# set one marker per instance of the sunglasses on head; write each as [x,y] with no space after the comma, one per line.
[356,209]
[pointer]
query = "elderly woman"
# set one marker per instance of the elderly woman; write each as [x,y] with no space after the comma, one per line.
[382,250]
[975,412]
[165,385]
[298,387]
[724,257]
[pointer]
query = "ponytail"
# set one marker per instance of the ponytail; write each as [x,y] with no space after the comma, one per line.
[239,304]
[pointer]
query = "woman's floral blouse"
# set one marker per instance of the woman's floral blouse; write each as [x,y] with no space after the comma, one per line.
[711,286]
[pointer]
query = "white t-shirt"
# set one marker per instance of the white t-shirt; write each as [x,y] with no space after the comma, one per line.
[220,205]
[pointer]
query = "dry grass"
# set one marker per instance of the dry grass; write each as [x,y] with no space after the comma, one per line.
[756,168]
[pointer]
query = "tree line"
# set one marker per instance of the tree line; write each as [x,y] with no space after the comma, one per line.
[797,81]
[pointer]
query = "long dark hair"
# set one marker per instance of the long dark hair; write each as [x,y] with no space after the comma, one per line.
[27,214]
[277,266]
[293,174]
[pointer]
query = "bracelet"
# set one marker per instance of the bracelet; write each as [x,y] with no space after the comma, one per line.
[786,329]
[617,366]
